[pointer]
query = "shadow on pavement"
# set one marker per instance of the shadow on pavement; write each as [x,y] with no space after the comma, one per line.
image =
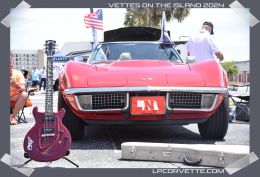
[111,136]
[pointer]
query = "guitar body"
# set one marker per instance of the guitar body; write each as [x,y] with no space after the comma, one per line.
[47,140]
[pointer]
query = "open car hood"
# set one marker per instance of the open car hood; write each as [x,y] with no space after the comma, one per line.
[133,34]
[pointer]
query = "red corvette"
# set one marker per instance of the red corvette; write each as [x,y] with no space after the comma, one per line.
[143,82]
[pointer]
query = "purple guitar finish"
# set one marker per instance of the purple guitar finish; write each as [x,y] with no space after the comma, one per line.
[49,139]
[48,145]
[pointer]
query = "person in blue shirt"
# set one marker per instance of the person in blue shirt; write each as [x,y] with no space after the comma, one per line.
[35,77]
[43,78]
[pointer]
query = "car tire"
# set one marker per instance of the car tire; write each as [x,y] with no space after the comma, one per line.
[216,126]
[73,123]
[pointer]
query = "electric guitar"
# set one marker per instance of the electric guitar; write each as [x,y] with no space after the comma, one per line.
[48,139]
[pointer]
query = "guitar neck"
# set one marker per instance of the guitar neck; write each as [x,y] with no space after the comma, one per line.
[49,89]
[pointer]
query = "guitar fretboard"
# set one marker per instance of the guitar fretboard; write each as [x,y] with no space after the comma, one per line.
[49,90]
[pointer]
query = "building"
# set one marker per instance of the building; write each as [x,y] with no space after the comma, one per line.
[27,59]
[243,75]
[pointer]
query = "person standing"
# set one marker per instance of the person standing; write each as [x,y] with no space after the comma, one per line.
[43,78]
[202,45]
[35,77]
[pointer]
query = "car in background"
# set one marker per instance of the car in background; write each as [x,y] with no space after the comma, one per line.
[131,78]
[79,55]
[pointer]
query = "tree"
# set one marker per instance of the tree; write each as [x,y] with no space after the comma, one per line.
[230,67]
[152,16]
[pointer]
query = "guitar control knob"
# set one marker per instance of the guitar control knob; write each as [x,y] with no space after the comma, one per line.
[66,138]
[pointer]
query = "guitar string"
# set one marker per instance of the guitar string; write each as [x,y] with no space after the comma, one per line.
[45,115]
[47,103]
[49,95]
[49,115]
[52,121]
[48,98]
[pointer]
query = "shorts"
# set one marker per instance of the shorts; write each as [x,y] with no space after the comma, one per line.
[35,83]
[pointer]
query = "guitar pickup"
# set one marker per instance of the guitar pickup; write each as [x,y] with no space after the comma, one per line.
[48,135]
[47,132]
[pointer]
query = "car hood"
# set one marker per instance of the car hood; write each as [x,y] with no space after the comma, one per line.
[133,34]
[133,73]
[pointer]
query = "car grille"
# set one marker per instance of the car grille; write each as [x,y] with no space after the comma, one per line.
[105,101]
[120,101]
[184,100]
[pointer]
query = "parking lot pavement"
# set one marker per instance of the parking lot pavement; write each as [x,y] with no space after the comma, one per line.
[100,148]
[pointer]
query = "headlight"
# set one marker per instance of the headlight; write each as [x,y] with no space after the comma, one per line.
[85,101]
[207,100]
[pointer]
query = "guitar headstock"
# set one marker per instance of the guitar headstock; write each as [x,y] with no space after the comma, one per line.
[50,47]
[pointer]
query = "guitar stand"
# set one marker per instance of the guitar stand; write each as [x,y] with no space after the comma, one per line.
[65,158]
[73,163]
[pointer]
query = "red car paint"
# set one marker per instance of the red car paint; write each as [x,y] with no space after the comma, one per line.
[131,73]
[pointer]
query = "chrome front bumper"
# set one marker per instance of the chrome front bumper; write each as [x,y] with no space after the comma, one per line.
[127,90]
[146,89]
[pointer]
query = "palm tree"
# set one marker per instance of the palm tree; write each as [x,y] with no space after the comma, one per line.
[152,16]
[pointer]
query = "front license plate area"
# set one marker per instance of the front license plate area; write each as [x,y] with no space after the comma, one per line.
[143,105]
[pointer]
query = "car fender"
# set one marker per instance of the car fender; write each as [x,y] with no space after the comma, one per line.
[212,72]
[75,74]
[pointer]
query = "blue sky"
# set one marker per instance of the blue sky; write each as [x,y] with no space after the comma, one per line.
[31,27]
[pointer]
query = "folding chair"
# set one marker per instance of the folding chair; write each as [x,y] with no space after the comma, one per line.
[21,116]
[241,101]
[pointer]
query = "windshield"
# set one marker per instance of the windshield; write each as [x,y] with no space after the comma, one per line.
[134,51]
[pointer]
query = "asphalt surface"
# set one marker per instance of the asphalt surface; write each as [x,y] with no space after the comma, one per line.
[101,145]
